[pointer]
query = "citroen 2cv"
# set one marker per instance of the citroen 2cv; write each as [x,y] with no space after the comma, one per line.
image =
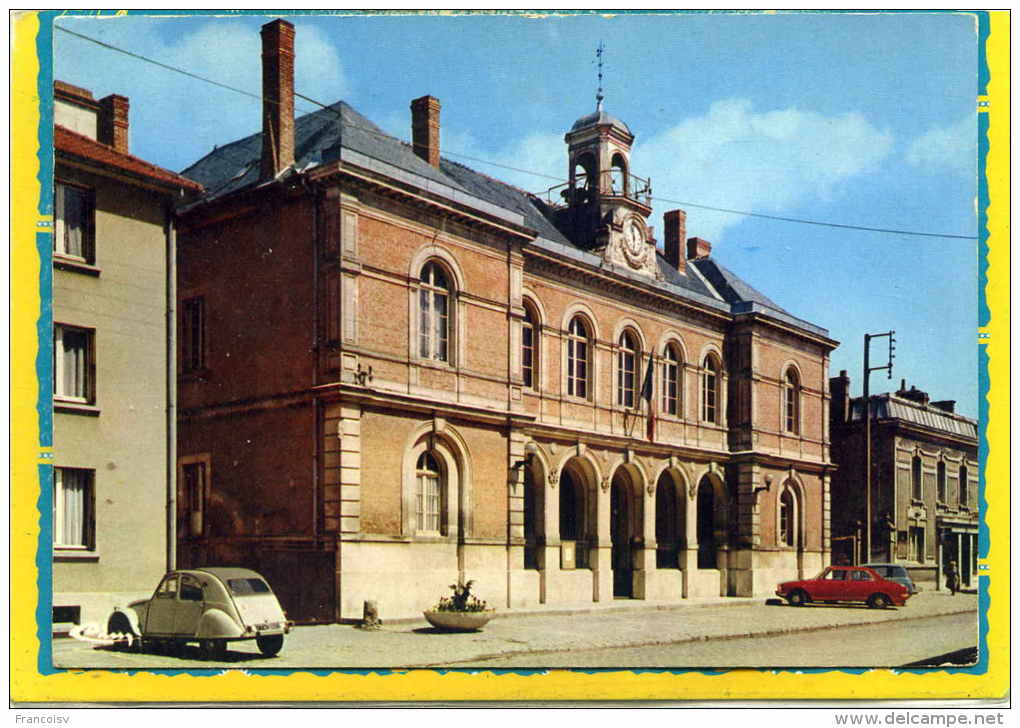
[211,606]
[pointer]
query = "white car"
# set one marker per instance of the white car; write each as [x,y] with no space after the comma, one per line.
[212,606]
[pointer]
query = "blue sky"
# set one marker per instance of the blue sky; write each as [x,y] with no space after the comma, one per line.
[864,119]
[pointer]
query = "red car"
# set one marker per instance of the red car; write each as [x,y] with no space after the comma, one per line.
[845,584]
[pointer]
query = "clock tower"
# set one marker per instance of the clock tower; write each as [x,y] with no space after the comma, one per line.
[606,207]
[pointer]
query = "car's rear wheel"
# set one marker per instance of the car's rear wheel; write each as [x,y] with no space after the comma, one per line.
[797,598]
[879,601]
[213,649]
[270,645]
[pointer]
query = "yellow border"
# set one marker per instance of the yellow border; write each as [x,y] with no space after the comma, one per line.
[28,685]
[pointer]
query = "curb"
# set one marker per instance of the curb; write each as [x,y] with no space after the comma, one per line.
[694,638]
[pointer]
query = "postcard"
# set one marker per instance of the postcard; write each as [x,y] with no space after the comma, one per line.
[416,356]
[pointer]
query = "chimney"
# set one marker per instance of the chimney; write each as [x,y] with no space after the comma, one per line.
[112,126]
[425,129]
[698,248]
[277,98]
[946,405]
[675,224]
[839,391]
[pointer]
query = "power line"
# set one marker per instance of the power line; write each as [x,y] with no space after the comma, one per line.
[327,107]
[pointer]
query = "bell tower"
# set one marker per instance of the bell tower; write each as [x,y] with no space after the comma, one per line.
[606,207]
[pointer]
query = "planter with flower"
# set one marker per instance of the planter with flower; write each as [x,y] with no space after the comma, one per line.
[462,612]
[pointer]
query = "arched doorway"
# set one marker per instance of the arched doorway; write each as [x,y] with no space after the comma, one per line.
[623,526]
[706,525]
[573,516]
[669,523]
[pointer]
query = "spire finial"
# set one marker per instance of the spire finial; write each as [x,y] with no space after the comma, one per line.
[598,57]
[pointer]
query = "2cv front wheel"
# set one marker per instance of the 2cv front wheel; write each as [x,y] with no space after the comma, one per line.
[270,645]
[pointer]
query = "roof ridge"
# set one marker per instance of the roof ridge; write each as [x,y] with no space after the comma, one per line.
[125,156]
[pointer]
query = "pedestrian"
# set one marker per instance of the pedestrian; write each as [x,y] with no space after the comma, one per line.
[952,578]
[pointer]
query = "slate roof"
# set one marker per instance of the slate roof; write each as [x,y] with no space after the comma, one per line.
[889,406]
[322,136]
[72,144]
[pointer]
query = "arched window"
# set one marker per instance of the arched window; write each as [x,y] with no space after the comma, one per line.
[791,401]
[627,357]
[618,175]
[787,519]
[671,381]
[941,482]
[529,347]
[430,495]
[578,353]
[434,313]
[710,389]
[915,479]
[964,492]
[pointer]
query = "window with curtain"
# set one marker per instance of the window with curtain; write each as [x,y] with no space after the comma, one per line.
[73,502]
[578,348]
[671,381]
[710,390]
[73,222]
[72,364]
[627,357]
[430,494]
[791,401]
[434,313]
[787,519]
[529,348]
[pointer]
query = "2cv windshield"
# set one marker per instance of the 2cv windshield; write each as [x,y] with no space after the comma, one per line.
[246,587]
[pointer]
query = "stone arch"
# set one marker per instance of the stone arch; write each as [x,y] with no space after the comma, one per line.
[445,257]
[671,514]
[626,523]
[536,471]
[452,453]
[583,309]
[793,486]
[712,518]
[577,491]
[626,323]
[673,337]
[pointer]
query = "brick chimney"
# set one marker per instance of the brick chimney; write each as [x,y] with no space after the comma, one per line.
[425,128]
[698,248]
[675,225]
[112,124]
[839,392]
[277,98]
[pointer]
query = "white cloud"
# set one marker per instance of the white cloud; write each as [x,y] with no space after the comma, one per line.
[767,161]
[950,148]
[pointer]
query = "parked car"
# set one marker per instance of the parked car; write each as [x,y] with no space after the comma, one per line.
[895,572]
[212,606]
[845,584]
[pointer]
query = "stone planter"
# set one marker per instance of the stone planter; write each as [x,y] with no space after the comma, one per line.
[459,621]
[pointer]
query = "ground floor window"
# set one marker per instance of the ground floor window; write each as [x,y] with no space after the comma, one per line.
[917,543]
[429,494]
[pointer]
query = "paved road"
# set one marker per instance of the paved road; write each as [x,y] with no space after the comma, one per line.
[417,645]
[889,644]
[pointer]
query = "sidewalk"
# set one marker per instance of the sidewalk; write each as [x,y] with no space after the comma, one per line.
[621,624]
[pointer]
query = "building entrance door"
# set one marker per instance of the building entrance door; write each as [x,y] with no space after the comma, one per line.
[620,534]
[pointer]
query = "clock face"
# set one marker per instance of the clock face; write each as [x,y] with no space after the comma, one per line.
[634,240]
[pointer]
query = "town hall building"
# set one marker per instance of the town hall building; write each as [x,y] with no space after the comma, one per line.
[395,372]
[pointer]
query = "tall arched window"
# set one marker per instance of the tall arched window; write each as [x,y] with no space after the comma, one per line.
[915,479]
[671,381]
[787,518]
[529,348]
[430,495]
[578,353]
[791,401]
[627,357]
[941,482]
[434,313]
[710,389]
[964,492]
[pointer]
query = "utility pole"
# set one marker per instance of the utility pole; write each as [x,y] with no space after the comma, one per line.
[868,369]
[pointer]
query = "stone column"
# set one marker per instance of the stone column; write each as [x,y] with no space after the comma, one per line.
[601,558]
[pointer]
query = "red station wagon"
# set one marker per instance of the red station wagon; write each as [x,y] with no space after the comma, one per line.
[845,584]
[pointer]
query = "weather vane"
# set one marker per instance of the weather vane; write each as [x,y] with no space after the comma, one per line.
[598,56]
